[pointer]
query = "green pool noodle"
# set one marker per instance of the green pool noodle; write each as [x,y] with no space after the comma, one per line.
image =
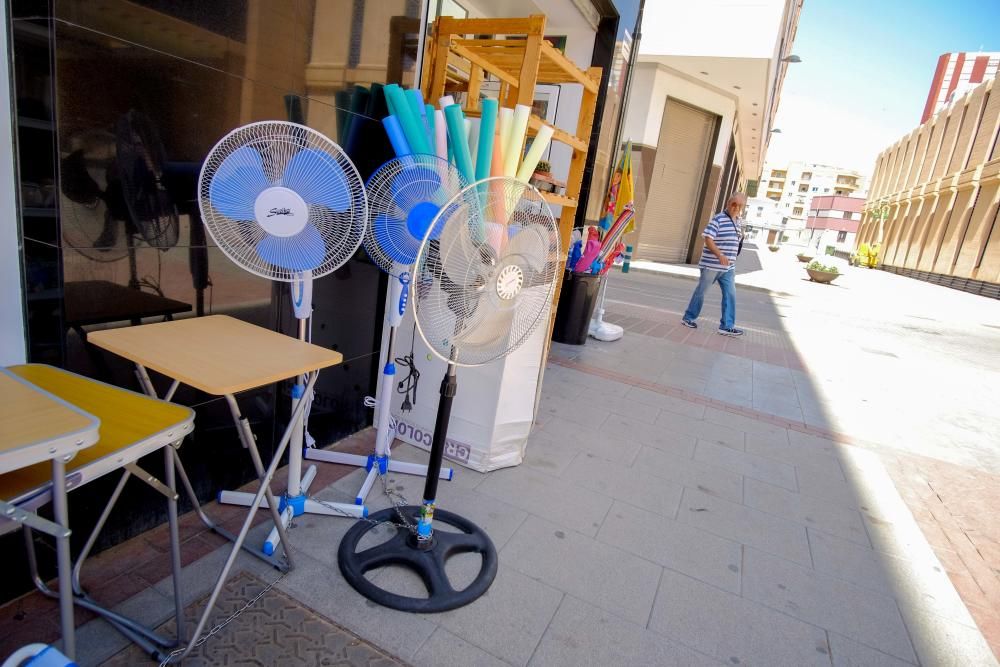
[412,126]
[487,128]
[456,133]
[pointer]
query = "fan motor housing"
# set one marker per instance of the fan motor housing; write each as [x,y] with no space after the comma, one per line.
[280,211]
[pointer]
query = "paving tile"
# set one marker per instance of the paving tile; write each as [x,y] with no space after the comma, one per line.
[703,430]
[587,381]
[566,503]
[818,483]
[623,407]
[444,648]
[691,474]
[940,641]
[921,585]
[613,444]
[508,621]
[638,487]
[848,653]
[665,402]
[606,576]
[731,628]
[659,436]
[548,454]
[780,406]
[678,546]
[583,413]
[808,511]
[748,465]
[745,423]
[323,589]
[733,521]
[777,448]
[772,374]
[865,616]
[616,642]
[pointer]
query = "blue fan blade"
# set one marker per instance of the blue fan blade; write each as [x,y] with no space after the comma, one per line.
[318,179]
[414,185]
[394,241]
[236,184]
[303,252]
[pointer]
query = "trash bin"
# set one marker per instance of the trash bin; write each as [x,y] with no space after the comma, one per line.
[576,307]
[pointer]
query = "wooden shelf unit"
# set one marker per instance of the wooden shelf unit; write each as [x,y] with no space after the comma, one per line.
[454,62]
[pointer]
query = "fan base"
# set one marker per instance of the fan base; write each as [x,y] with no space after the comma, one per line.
[426,559]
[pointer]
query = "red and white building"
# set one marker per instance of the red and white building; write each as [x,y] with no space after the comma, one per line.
[957,73]
[833,221]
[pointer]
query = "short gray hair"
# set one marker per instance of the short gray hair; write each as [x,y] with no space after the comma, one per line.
[736,196]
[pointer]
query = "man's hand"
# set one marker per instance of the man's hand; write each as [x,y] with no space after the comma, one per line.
[710,244]
[723,260]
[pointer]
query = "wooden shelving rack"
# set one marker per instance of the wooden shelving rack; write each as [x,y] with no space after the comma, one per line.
[461,53]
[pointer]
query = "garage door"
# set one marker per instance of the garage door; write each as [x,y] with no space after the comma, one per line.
[675,189]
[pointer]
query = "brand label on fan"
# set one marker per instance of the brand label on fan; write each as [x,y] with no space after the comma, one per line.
[280,211]
[509,281]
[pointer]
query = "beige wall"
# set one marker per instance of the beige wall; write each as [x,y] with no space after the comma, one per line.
[941,184]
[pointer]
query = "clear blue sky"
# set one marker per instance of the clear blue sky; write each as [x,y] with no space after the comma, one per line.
[867,67]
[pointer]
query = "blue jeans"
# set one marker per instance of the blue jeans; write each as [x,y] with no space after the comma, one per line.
[727,282]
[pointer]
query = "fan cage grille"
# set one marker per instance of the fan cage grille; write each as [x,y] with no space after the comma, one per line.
[277,142]
[398,186]
[463,305]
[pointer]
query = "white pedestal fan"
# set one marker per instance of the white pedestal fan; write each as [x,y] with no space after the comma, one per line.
[284,202]
[404,196]
[483,281]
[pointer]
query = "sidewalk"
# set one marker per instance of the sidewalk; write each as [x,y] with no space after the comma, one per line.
[686,499]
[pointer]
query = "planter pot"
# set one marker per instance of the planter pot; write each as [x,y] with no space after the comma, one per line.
[805,259]
[821,276]
[773,248]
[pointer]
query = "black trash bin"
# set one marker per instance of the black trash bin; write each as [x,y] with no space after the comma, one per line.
[576,307]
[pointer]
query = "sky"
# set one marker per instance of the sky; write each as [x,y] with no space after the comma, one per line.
[865,73]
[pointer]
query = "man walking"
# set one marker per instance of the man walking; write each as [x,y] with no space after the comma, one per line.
[718,264]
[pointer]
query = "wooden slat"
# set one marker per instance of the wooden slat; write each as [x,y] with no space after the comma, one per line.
[535,123]
[559,200]
[488,66]
[453,26]
[565,64]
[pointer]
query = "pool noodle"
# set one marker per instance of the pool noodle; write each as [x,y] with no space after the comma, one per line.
[416,138]
[487,130]
[534,154]
[473,138]
[416,100]
[396,136]
[456,132]
[440,134]
[506,119]
[446,102]
[515,142]
[496,164]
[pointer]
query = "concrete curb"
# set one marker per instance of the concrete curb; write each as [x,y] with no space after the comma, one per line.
[684,276]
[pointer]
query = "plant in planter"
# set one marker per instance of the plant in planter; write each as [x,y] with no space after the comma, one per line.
[774,248]
[805,257]
[822,273]
[543,180]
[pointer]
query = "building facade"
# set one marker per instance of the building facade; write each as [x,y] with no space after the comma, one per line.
[955,75]
[833,222]
[785,194]
[935,195]
[704,96]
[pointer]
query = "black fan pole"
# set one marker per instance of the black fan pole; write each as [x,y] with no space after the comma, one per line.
[449,387]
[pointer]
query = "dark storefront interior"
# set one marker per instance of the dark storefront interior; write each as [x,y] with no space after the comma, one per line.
[117,104]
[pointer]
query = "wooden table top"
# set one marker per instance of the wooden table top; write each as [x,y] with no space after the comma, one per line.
[217,354]
[37,426]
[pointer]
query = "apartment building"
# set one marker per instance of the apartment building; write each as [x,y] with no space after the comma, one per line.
[955,75]
[785,194]
[833,222]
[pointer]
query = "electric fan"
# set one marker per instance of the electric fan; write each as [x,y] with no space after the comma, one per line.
[285,203]
[404,195]
[483,281]
[140,160]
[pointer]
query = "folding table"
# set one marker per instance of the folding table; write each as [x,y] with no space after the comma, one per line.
[223,356]
[39,427]
[131,426]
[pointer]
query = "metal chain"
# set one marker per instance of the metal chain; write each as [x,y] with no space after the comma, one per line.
[397,505]
[218,628]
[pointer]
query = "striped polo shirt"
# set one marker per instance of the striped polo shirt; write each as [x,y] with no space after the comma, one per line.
[725,232]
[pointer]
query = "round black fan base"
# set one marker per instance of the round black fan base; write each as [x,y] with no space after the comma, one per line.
[426,561]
